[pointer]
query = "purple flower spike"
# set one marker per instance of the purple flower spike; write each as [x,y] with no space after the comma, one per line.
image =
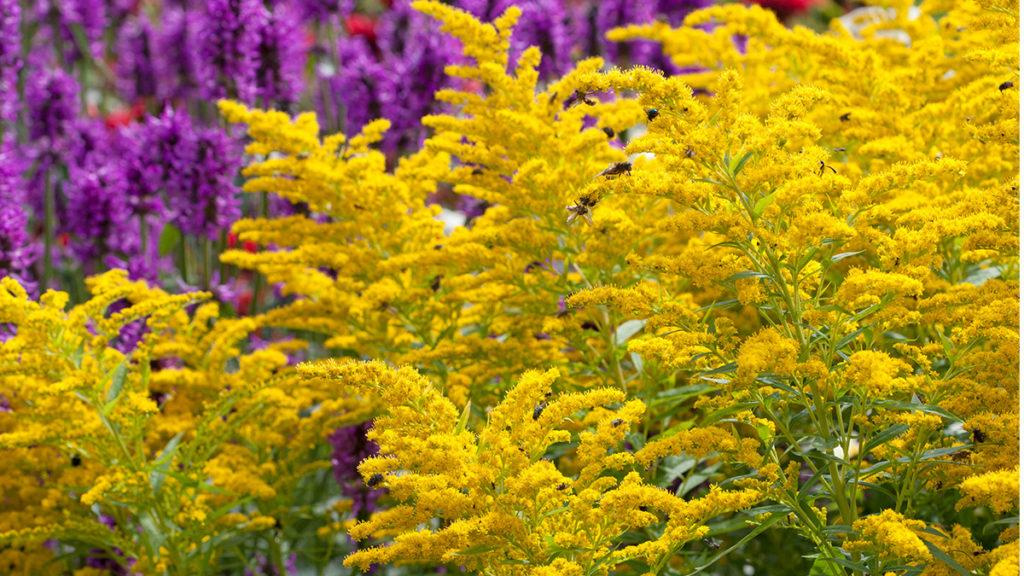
[52,97]
[282,57]
[229,40]
[10,61]
[350,447]
[178,55]
[16,249]
[136,72]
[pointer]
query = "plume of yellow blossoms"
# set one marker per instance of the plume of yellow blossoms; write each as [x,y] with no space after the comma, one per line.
[152,452]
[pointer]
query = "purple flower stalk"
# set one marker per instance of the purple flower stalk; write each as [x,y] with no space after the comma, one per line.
[229,40]
[16,249]
[350,447]
[282,57]
[177,46]
[196,172]
[52,97]
[136,71]
[97,216]
[10,62]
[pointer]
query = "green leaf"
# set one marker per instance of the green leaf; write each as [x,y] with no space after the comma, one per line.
[116,382]
[845,255]
[738,166]
[463,418]
[765,525]
[946,559]
[763,203]
[918,407]
[163,462]
[885,435]
[627,330]
[170,237]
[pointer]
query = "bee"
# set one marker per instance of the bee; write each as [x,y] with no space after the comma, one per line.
[978,436]
[1005,86]
[618,168]
[589,325]
[76,461]
[435,283]
[562,486]
[652,113]
[539,409]
[581,209]
[712,543]
[375,480]
[839,149]
[690,153]
[845,117]
[608,132]
[580,96]
[822,166]
[617,422]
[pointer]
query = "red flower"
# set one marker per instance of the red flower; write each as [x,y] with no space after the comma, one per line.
[787,7]
[361,25]
[124,116]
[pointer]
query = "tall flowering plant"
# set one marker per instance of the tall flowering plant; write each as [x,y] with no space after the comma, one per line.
[758,316]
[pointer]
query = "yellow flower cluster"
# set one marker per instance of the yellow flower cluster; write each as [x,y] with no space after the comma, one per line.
[793,282]
[145,446]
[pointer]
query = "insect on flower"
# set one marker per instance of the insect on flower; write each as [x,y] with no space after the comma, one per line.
[580,96]
[539,409]
[713,543]
[375,480]
[822,166]
[581,209]
[845,117]
[618,168]
[1005,86]
[652,113]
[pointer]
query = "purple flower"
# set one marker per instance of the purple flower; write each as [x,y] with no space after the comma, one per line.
[282,57]
[16,249]
[136,71]
[97,217]
[359,83]
[177,60]
[615,13]
[52,96]
[350,447]
[322,10]
[10,61]
[85,19]
[544,25]
[229,38]
[196,169]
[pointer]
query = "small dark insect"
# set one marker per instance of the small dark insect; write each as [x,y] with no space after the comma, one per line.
[437,246]
[840,149]
[539,409]
[978,436]
[477,171]
[1005,86]
[580,96]
[845,117]
[562,313]
[588,325]
[713,543]
[435,284]
[617,422]
[821,168]
[578,211]
[562,486]
[581,208]
[961,456]
[76,461]
[608,132]
[643,508]
[375,479]
[652,113]
[618,168]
